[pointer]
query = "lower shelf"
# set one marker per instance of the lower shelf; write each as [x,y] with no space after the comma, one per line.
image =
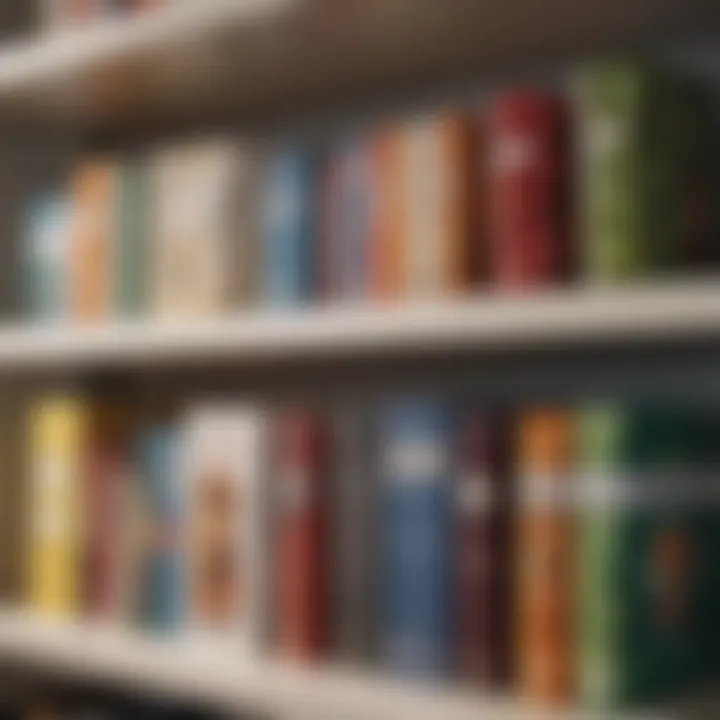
[224,678]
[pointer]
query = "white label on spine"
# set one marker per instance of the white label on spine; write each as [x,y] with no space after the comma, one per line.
[416,462]
[475,494]
[621,489]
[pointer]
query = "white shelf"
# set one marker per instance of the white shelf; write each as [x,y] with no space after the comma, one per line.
[575,318]
[100,74]
[183,670]
[71,51]
[210,58]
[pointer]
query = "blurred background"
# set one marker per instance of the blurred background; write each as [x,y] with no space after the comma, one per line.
[359,359]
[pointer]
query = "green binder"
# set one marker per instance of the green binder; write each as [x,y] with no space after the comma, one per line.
[648,175]
[636,573]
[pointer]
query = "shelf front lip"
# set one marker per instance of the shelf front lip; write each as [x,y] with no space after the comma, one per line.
[582,318]
[185,670]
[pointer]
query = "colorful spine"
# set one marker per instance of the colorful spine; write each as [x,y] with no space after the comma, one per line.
[94,195]
[47,249]
[478,256]
[133,546]
[431,179]
[612,107]
[529,183]
[131,258]
[417,571]
[195,238]
[649,149]
[245,228]
[163,604]
[58,431]
[268,511]
[302,529]
[107,470]
[174,244]
[106,473]
[349,218]
[547,455]
[601,536]
[387,254]
[227,178]
[290,225]
[223,466]
[638,558]
[484,556]
[355,556]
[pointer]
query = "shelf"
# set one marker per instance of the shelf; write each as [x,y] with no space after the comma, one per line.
[130,68]
[201,62]
[186,671]
[191,672]
[583,319]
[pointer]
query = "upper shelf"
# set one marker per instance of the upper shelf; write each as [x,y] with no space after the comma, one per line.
[205,61]
[561,319]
